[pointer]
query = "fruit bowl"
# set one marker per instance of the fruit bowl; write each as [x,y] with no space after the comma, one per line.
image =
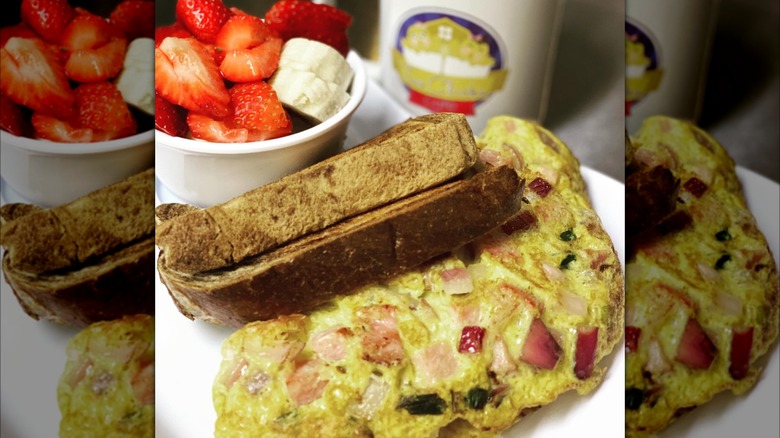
[203,173]
[49,174]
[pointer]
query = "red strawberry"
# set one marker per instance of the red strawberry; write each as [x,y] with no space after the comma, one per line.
[173,30]
[206,128]
[185,74]
[540,348]
[249,65]
[50,128]
[695,348]
[98,64]
[585,355]
[18,30]
[203,18]
[12,118]
[48,18]
[247,49]
[33,77]
[169,118]
[257,108]
[102,108]
[320,22]
[86,31]
[134,18]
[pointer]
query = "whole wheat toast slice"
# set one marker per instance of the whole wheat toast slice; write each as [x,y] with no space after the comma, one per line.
[367,248]
[86,261]
[393,165]
[72,234]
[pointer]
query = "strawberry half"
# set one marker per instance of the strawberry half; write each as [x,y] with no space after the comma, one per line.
[98,64]
[12,118]
[319,22]
[186,75]
[206,128]
[102,108]
[257,108]
[48,18]
[51,128]
[134,18]
[17,30]
[169,118]
[171,30]
[203,18]
[247,49]
[33,77]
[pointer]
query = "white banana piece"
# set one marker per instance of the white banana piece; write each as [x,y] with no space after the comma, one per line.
[312,78]
[136,80]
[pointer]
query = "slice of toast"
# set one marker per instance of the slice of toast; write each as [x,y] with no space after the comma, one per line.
[368,248]
[393,165]
[72,234]
[87,261]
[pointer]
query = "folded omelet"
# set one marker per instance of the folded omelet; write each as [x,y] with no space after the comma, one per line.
[702,286]
[107,387]
[465,345]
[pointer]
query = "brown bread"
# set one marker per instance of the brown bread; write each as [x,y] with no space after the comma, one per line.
[365,249]
[410,157]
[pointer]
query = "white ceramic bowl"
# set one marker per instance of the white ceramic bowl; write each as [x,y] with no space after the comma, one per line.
[203,173]
[50,174]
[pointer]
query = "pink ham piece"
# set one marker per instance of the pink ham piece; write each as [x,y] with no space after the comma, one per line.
[695,349]
[741,344]
[695,186]
[502,363]
[304,385]
[585,356]
[456,281]
[330,344]
[540,348]
[436,362]
[471,339]
[381,340]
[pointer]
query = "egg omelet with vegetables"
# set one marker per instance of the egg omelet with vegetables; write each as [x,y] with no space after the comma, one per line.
[465,345]
[107,388]
[702,286]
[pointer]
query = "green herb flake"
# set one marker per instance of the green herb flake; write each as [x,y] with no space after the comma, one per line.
[477,398]
[722,261]
[567,261]
[568,235]
[723,235]
[424,404]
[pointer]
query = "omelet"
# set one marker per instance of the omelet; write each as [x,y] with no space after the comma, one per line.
[107,387]
[465,345]
[702,285]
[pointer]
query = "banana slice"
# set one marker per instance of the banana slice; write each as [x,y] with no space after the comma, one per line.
[312,78]
[136,81]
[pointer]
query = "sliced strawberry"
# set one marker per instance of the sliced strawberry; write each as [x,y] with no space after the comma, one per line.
[134,18]
[185,74]
[249,65]
[17,30]
[257,108]
[98,64]
[86,31]
[540,348]
[172,30]
[741,344]
[320,22]
[632,338]
[206,128]
[12,118]
[50,128]
[169,118]
[695,348]
[243,31]
[48,18]
[33,77]
[102,108]
[585,356]
[203,18]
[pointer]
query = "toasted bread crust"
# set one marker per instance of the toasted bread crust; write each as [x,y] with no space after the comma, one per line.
[368,248]
[70,235]
[395,164]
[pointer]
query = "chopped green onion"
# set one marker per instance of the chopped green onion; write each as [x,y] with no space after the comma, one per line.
[722,261]
[567,261]
[424,404]
[568,235]
[723,235]
[477,398]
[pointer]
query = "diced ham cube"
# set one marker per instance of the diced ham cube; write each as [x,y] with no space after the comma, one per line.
[741,344]
[695,349]
[471,339]
[540,348]
[585,356]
